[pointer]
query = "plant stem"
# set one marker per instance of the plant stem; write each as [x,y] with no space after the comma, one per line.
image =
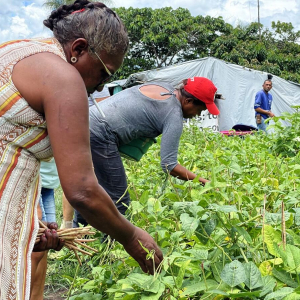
[73,282]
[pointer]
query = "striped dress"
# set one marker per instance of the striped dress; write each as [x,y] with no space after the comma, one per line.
[23,143]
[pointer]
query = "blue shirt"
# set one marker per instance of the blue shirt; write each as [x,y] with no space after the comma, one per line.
[264,101]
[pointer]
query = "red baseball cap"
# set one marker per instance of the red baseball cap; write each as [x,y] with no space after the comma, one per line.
[204,90]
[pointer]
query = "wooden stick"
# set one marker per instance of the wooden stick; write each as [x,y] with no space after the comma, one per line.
[68,234]
[86,246]
[75,229]
[78,249]
[71,236]
[283,229]
[42,224]
[85,240]
[77,256]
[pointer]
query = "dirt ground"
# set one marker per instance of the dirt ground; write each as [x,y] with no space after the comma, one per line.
[56,295]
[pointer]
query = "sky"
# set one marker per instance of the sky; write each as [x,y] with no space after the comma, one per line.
[24,18]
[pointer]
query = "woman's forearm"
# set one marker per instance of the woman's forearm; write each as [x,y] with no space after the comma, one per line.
[97,208]
[182,173]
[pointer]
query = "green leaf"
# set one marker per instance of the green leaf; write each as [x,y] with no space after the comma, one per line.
[217,268]
[181,273]
[145,282]
[210,226]
[205,229]
[217,292]
[160,287]
[189,224]
[192,147]
[280,294]
[244,233]
[199,287]
[253,276]
[198,254]
[86,296]
[269,284]
[292,296]
[227,208]
[284,277]
[235,168]
[90,285]
[175,236]
[244,295]
[293,257]
[272,236]
[233,273]
[184,207]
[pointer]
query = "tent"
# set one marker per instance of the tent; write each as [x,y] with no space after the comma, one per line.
[237,84]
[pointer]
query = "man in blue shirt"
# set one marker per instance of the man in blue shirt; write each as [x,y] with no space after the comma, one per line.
[262,105]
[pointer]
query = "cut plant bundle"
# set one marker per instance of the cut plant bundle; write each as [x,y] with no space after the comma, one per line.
[74,237]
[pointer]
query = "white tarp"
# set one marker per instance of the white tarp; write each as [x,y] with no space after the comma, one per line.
[237,84]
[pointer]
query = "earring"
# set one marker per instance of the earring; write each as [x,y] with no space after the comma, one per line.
[73,59]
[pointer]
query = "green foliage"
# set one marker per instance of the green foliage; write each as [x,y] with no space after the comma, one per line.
[287,140]
[161,37]
[221,241]
[165,36]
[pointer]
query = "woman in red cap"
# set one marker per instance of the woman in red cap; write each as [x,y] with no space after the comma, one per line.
[144,111]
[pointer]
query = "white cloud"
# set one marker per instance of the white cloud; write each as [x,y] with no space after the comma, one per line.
[19,20]
[19,27]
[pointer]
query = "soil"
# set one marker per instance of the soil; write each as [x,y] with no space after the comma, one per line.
[56,295]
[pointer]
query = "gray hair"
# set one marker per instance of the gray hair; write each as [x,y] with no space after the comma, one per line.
[93,21]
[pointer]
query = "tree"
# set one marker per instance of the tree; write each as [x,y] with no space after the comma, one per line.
[161,37]
[274,52]
[285,32]
[165,36]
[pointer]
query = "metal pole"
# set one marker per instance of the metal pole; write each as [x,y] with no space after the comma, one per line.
[258,17]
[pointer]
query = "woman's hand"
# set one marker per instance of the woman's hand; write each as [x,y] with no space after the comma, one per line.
[203,181]
[49,240]
[148,263]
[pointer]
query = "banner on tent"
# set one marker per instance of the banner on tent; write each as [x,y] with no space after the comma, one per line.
[206,120]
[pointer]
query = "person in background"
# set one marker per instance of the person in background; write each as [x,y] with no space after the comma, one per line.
[44,84]
[144,111]
[50,181]
[262,105]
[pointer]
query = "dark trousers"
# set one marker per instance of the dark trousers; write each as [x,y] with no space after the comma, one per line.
[110,173]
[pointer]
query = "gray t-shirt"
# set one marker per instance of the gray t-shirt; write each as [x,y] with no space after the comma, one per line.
[130,115]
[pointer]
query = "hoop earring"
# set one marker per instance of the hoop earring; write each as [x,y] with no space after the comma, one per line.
[73,59]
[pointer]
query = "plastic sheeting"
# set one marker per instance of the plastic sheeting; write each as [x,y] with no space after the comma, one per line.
[237,84]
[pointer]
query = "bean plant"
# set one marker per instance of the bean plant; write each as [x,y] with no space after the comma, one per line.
[237,237]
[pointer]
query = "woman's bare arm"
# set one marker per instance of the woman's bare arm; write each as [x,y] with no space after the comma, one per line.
[55,88]
[182,173]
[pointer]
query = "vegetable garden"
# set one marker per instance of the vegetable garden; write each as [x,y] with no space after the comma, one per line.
[235,238]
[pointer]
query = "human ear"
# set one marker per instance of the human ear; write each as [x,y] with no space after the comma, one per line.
[79,47]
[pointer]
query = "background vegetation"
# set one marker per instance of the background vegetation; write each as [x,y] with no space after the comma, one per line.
[165,36]
[237,237]
[161,37]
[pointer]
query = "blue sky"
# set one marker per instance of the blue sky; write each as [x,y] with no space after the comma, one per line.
[24,18]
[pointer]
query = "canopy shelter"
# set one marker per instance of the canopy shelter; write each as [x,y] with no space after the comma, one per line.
[237,84]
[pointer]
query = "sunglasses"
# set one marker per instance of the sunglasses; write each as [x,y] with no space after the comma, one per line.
[110,75]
